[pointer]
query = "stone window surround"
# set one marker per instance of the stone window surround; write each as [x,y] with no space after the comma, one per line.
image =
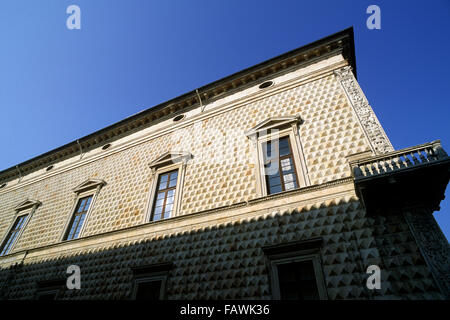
[157,277]
[284,126]
[27,207]
[155,272]
[295,252]
[90,187]
[54,287]
[169,161]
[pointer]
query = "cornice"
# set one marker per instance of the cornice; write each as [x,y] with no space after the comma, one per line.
[338,43]
[166,130]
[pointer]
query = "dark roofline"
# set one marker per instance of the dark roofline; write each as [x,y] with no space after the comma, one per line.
[350,56]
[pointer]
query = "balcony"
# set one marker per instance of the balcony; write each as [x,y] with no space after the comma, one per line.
[409,177]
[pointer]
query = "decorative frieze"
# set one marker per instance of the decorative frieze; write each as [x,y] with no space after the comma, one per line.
[369,121]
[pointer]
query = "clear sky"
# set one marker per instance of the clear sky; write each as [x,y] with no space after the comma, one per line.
[57,85]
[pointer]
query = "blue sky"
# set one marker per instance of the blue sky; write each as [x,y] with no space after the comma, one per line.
[57,85]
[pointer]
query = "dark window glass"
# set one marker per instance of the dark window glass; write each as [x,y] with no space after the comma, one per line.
[47,296]
[148,290]
[279,166]
[297,281]
[13,234]
[73,232]
[165,195]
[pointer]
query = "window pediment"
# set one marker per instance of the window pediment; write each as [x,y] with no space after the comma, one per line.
[273,123]
[27,204]
[89,184]
[170,158]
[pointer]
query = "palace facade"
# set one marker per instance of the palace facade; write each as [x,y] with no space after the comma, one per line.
[276,182]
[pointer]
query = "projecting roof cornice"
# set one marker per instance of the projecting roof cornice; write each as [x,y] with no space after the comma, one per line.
[338,43]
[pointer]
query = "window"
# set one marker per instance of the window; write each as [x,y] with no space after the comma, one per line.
[49,289]
[149,289]
[24,212]
[296,271]
[78,218]
[13,234]
[279,161]
[47,295]
[86,194]
[150,281]
[279,166]
[166,185]
[297,281]
[165,195]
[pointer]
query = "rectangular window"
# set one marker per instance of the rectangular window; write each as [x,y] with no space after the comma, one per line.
[13,234]
[47,295]
[279,166]
[150,281]
[78,218]
[165,195]
[148,289]
[297,281]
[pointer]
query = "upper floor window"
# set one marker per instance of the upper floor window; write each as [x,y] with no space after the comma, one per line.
[12,235]
[78,218]
[279,166]
[167,185]
[85,196]
[165,195]
[24,211]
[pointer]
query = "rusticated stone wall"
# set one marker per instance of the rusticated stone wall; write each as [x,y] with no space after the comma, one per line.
[226,261]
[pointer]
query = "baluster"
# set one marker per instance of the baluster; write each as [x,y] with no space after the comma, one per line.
[367,171]
[401,163]
[380,167]
[394,163]
[407,162]
[372,167]
[431,154]
[357,172]
[388,164]
[413,156]
[422,157]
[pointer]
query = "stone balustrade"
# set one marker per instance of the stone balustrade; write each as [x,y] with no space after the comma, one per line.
[400,160]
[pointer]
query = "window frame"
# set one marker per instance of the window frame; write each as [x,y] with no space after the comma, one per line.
[264,190]
[297,251]
[165,190]
[85,189]
[314,258]
[55,286]
[27,207]
[75,213]
[149,273]
[272,129]
[161,276]
[169,161]
[290,156]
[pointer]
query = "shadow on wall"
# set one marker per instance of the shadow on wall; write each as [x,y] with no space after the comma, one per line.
[228,262]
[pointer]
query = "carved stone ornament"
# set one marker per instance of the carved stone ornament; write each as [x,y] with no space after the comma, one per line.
[433,246]
[366,116]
